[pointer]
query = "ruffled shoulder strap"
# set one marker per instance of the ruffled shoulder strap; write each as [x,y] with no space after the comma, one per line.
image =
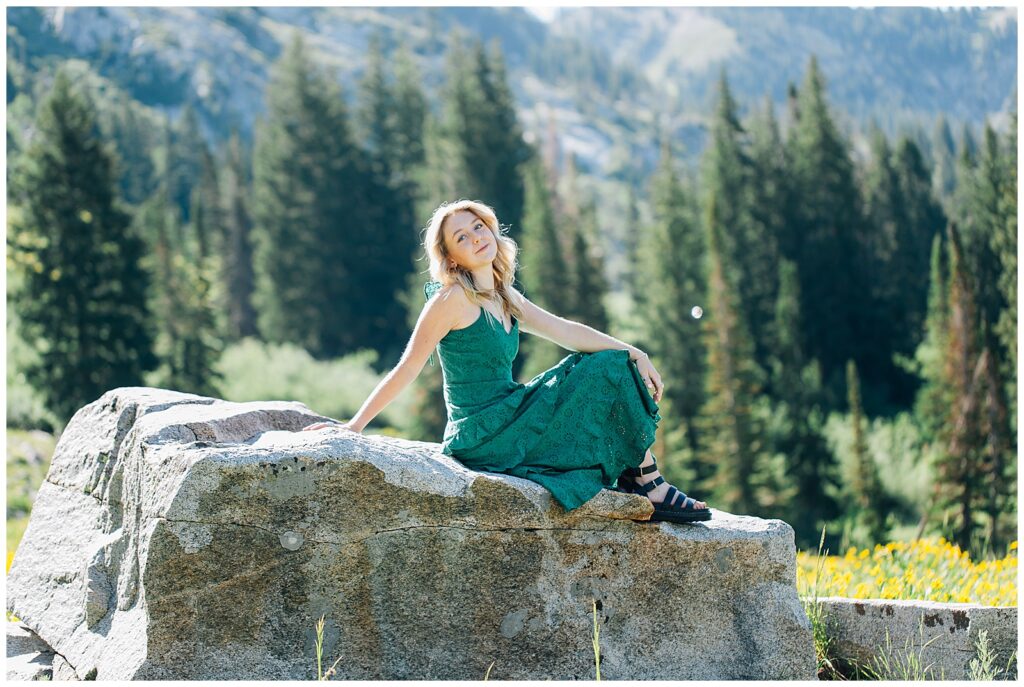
[429,289]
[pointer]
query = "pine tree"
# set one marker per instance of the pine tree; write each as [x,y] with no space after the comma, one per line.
[316,246]
[957,479]
[632,277]
[82,303]
[207,216]
[392,201]
[480,117]
[1004,244]
[998,454]
[932,401]
[731,437]
[671,256]
[865,486]
[188,342]
[902,217]
[410,115]
[589,283]
[981,220]
[944,159]
[923,220]
[134,147]
[828,224]
[543,270]
[770,198]
[185,169]
[238,259]
[513,150]
[797,421]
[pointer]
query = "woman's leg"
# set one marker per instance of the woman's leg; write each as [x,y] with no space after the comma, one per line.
[657,495]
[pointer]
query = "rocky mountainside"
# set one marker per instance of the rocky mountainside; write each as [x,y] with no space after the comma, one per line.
[646,68]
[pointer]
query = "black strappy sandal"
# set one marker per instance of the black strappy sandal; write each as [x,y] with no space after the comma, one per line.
[676,507]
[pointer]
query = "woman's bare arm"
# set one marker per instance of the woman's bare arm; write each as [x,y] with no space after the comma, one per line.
[436,319]
[574,336]
[577,336]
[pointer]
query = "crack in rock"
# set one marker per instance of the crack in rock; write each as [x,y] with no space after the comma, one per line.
[277,534]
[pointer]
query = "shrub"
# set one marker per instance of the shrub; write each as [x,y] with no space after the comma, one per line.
[257,371]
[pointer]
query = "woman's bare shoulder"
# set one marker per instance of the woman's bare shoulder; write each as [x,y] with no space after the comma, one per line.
[455,305]
[453,293]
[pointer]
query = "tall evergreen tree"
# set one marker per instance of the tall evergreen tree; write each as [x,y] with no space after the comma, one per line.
[798,420]
[484,131]
[903,217]
[933,401]
[671,261]
[392,205]
[770,202]
[828,224]
[1004,244]
[958,482]
[188,342]
[82,303]
[238,259]
[134,147]
[410,115]
[998,455]
[589,283]
[316,245]
[185,161]
[981,220]
[943,159]
[865,486]
[749,242]
[727,173]
[632,277]
[732,440]
[543,270]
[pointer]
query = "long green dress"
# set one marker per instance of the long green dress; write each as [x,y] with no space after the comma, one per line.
[573,428]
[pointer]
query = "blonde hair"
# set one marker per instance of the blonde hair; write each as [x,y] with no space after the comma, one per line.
[504,265]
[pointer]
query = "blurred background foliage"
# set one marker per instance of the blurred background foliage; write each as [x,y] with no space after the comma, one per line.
[229,202]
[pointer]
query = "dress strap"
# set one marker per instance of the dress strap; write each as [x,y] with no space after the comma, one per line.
[429,289]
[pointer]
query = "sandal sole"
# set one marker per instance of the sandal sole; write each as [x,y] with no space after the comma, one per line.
[679,517]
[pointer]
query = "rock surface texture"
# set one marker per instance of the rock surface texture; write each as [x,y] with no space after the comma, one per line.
[183,537]
[28,657]
[943,637]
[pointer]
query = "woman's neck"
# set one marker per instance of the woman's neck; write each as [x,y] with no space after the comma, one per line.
[483,278]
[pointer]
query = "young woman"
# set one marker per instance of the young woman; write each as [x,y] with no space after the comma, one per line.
[576,428]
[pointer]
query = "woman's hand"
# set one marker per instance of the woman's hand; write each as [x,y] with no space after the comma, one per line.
[650,376]
[321,425]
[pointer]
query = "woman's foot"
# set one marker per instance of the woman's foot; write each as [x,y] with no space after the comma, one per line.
[657,495]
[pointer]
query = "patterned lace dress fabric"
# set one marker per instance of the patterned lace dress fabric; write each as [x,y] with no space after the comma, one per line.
[573,428]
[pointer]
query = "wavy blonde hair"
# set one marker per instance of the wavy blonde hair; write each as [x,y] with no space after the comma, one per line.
[504,265]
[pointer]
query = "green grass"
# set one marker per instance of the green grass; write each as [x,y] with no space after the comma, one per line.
[28,459]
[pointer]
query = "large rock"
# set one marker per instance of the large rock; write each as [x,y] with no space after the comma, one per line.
[942,637]
[182,537]
[28,657]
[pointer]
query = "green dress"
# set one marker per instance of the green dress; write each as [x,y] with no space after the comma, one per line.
[573,428]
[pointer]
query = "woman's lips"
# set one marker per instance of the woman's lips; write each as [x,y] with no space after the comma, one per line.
[482,247]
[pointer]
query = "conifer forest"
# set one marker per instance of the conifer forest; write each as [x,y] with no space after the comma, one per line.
[852,245]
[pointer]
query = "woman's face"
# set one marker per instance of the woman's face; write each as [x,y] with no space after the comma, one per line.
[469,240]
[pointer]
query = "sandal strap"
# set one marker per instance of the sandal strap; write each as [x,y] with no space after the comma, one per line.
[652,485]
[678,501]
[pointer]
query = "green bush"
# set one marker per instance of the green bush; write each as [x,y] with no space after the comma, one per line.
[25,407]
[894,444]
[256,371]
